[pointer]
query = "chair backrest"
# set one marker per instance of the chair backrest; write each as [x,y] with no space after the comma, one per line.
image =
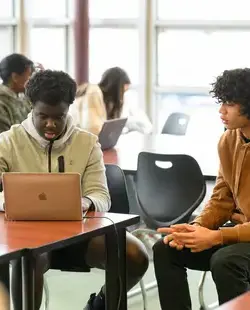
[176,124]
[169,188]
[117,189]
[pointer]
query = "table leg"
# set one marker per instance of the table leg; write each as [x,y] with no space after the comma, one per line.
[116,291]
[16,285]
[28,277]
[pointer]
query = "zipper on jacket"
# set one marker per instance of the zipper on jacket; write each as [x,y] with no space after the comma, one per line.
[49,155]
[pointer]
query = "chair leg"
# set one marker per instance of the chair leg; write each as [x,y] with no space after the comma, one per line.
[46,294]
[200,291]
[143,289]
[148,241]
[144,295]
[203,306]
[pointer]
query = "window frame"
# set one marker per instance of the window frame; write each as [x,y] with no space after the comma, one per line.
[129,23]
[201,25]
[12,23]
[62,22]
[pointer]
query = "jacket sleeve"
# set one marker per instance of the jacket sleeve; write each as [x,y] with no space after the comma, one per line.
[5,163]
[219,208]
[137,119]
[5,121]
[5,154]
[94,182]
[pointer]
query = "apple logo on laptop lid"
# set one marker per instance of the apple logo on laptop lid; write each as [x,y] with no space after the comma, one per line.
[42,196]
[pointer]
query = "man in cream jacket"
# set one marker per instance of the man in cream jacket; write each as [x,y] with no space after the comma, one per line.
[23,149]
[34,146]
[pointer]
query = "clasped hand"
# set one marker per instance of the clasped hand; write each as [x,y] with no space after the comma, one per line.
[194,237]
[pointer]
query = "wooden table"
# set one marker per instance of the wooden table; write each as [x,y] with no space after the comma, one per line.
[125,154]
[40,237]
[240,303]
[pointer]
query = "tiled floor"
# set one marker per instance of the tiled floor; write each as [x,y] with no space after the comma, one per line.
[71,290]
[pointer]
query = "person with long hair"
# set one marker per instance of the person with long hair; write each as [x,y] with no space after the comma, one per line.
[114,83]
[95,104]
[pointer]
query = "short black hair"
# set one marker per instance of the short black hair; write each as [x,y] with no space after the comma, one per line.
[233,86]
[51,87]
[14,63]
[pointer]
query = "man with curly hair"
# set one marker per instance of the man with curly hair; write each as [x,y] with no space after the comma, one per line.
[219,238]
[34,146]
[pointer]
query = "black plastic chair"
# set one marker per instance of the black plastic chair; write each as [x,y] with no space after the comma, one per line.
[169,189]
[170,195]
[117,189]
[176,124]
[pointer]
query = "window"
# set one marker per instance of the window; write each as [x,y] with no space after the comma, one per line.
[7,28]
[6,9]
[203,112]
[203,10]
[194,57]
[46,8]
[114,9]
[48,47]
[181,56]
[114,40]
[114,47]
[51,33]
[197,41]
[71,53]
[6,36]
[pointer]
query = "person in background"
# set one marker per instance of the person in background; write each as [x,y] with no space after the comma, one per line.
[219,238]
[15,70]
[49,124]
[95,104]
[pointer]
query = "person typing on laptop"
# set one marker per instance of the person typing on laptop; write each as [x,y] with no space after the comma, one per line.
[95,104]
[35,146]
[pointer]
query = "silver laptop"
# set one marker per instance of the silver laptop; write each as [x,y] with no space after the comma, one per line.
[42,196]
[111,131]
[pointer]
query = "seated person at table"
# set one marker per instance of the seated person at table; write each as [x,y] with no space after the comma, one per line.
[211,242]
[15,70]
[24,148]
[95,104]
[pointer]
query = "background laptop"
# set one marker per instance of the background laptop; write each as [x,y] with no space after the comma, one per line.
[42,196]
[110,133]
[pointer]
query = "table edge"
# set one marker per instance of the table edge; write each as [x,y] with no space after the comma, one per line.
[82,237]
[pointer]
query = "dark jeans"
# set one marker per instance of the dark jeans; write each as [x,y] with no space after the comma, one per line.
[230,267]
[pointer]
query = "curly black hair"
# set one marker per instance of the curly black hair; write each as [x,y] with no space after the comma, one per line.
[233,86]
[51,87]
